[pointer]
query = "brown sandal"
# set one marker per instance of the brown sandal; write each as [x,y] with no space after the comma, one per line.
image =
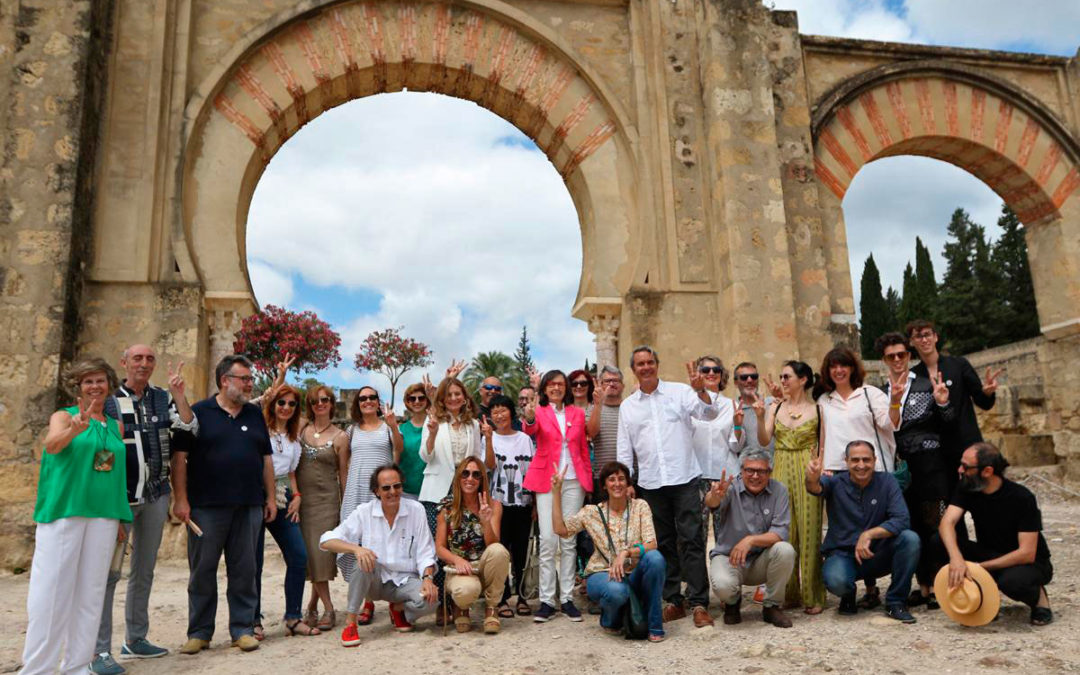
[327,621]
[298,627]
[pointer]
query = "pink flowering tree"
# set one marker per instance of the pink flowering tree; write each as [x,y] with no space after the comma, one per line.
[390,353]
[266,336]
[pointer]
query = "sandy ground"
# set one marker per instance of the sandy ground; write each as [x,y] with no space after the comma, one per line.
[867,643]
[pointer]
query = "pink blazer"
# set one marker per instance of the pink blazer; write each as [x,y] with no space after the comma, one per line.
[545,430]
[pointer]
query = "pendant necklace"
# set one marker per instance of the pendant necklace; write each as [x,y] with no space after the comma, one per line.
[318,432]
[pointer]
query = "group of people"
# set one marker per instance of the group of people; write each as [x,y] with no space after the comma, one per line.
[431,511]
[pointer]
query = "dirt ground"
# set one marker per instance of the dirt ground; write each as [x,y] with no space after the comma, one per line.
[867,643]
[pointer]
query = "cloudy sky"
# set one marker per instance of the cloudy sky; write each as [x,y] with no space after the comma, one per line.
[431,213]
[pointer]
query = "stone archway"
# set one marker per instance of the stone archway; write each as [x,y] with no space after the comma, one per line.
[979,123]
[305,61]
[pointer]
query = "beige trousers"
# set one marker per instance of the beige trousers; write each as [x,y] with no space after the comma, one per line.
[490,575]
[771,567]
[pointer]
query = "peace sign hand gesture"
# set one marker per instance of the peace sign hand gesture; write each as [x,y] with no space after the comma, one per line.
[429,388]
[81,420]
[773,387]
[758,405]
[941,391]
[719,488]
[432,422]
[176,380]
[738,415]
[388,415]
[485,509]
[534,378]
[697,380]
[455,368]
[813,469]
[990,385]
[557,480]
[485,426]
[896,389]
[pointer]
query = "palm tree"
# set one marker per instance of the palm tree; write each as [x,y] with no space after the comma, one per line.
[493,364]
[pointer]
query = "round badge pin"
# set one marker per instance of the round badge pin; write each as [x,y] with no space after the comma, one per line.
[154,418]
[243,428]
[873,501]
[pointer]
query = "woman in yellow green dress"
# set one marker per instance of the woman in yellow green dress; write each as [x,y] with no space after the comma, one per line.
[794,421]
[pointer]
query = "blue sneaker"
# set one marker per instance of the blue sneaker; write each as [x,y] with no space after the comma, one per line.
[571,611]
[544,614]
[900,613]
[103,664]
[141,649]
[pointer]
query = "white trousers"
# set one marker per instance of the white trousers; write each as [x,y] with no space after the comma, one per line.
[573,497]
[67,589]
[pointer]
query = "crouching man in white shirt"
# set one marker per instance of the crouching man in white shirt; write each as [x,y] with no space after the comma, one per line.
[395,554]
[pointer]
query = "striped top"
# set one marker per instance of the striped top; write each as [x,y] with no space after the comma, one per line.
[368,451]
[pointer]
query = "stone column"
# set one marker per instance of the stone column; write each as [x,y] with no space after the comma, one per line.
[223,326]
[605,330]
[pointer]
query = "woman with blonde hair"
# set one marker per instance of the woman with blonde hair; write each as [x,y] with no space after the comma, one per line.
[467,541]
[320,475]
[282,415]
[81,503]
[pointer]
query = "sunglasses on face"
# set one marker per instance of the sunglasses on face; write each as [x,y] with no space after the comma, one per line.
[786,376]
[579,384]
[747,376]
[475,475]
[492,387]
[707,370]
[419,398]
[392,487]
[898,356]
[369,397]
[281,403]
[323,400]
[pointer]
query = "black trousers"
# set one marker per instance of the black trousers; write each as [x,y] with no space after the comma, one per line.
[1020,582]
[515,528]
[676,511]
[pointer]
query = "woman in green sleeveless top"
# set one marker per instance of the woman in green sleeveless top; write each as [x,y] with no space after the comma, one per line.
[795,424]
[81,501]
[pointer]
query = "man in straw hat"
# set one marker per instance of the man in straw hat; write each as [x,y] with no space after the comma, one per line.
[1008,539]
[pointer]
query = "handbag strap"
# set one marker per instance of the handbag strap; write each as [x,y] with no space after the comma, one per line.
[607,530]
[873,423]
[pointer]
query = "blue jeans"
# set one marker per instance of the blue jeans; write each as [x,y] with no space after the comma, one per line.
[647,580]
[897,555]
[287,535]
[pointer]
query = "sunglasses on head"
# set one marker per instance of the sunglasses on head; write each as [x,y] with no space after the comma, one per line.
[746,376]
[474,474]
[392,486]
[492,387]
[281,403]
[418,398]
[367,397]
[715,370]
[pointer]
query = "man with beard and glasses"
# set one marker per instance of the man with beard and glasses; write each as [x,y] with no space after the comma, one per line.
[1008,540]
[223,481]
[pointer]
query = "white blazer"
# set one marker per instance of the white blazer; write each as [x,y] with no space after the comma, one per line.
[439,472]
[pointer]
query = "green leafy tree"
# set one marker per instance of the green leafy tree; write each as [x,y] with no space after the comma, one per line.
[1020,319]
[961,313]
[523,355]
[874,315]
[390,353]
[267,335]
[493,364]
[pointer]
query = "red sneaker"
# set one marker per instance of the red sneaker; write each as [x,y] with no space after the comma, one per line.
[401,624]
[350,637]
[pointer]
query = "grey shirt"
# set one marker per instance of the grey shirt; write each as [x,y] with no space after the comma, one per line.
[743,513]
[750,427]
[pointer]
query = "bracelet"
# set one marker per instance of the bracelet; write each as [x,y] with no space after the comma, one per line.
[641,549]
[894,406]
[738,427]
[295,495]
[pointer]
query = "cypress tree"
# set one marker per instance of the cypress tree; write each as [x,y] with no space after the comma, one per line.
[926,294]
[1020,320]
[909,303]
[873,309]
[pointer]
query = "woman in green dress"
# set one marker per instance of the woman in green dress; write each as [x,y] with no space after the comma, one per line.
[81,502]
[794,420]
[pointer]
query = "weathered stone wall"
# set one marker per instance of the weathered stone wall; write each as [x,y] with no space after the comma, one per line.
[53,57]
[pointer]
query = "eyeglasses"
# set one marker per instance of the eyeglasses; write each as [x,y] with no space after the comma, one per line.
[746,376]
[392,487]
[898,356]
[281,403]
[419,398]
[757,472]
[323,400]
[492,387]
[246,379]
[968,467]
[925,335]
[715,370]
[610,383]
[524,399]
[579,384]
[475,475]
[369,397]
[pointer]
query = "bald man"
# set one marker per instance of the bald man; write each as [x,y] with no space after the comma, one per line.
[150,414]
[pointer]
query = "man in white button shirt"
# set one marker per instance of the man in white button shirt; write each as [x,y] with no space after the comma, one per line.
[656,431]
[395,554]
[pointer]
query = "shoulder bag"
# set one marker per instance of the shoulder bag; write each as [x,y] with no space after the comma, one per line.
[635,622]
[900,470]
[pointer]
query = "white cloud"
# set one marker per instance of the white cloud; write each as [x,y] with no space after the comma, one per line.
[271,286]
[413,196]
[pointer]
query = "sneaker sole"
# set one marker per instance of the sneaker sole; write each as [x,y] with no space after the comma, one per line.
[134,657]
[576,618]
[350,643]
[541,619]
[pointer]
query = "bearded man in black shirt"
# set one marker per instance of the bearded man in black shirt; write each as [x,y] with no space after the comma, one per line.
[1008,539]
